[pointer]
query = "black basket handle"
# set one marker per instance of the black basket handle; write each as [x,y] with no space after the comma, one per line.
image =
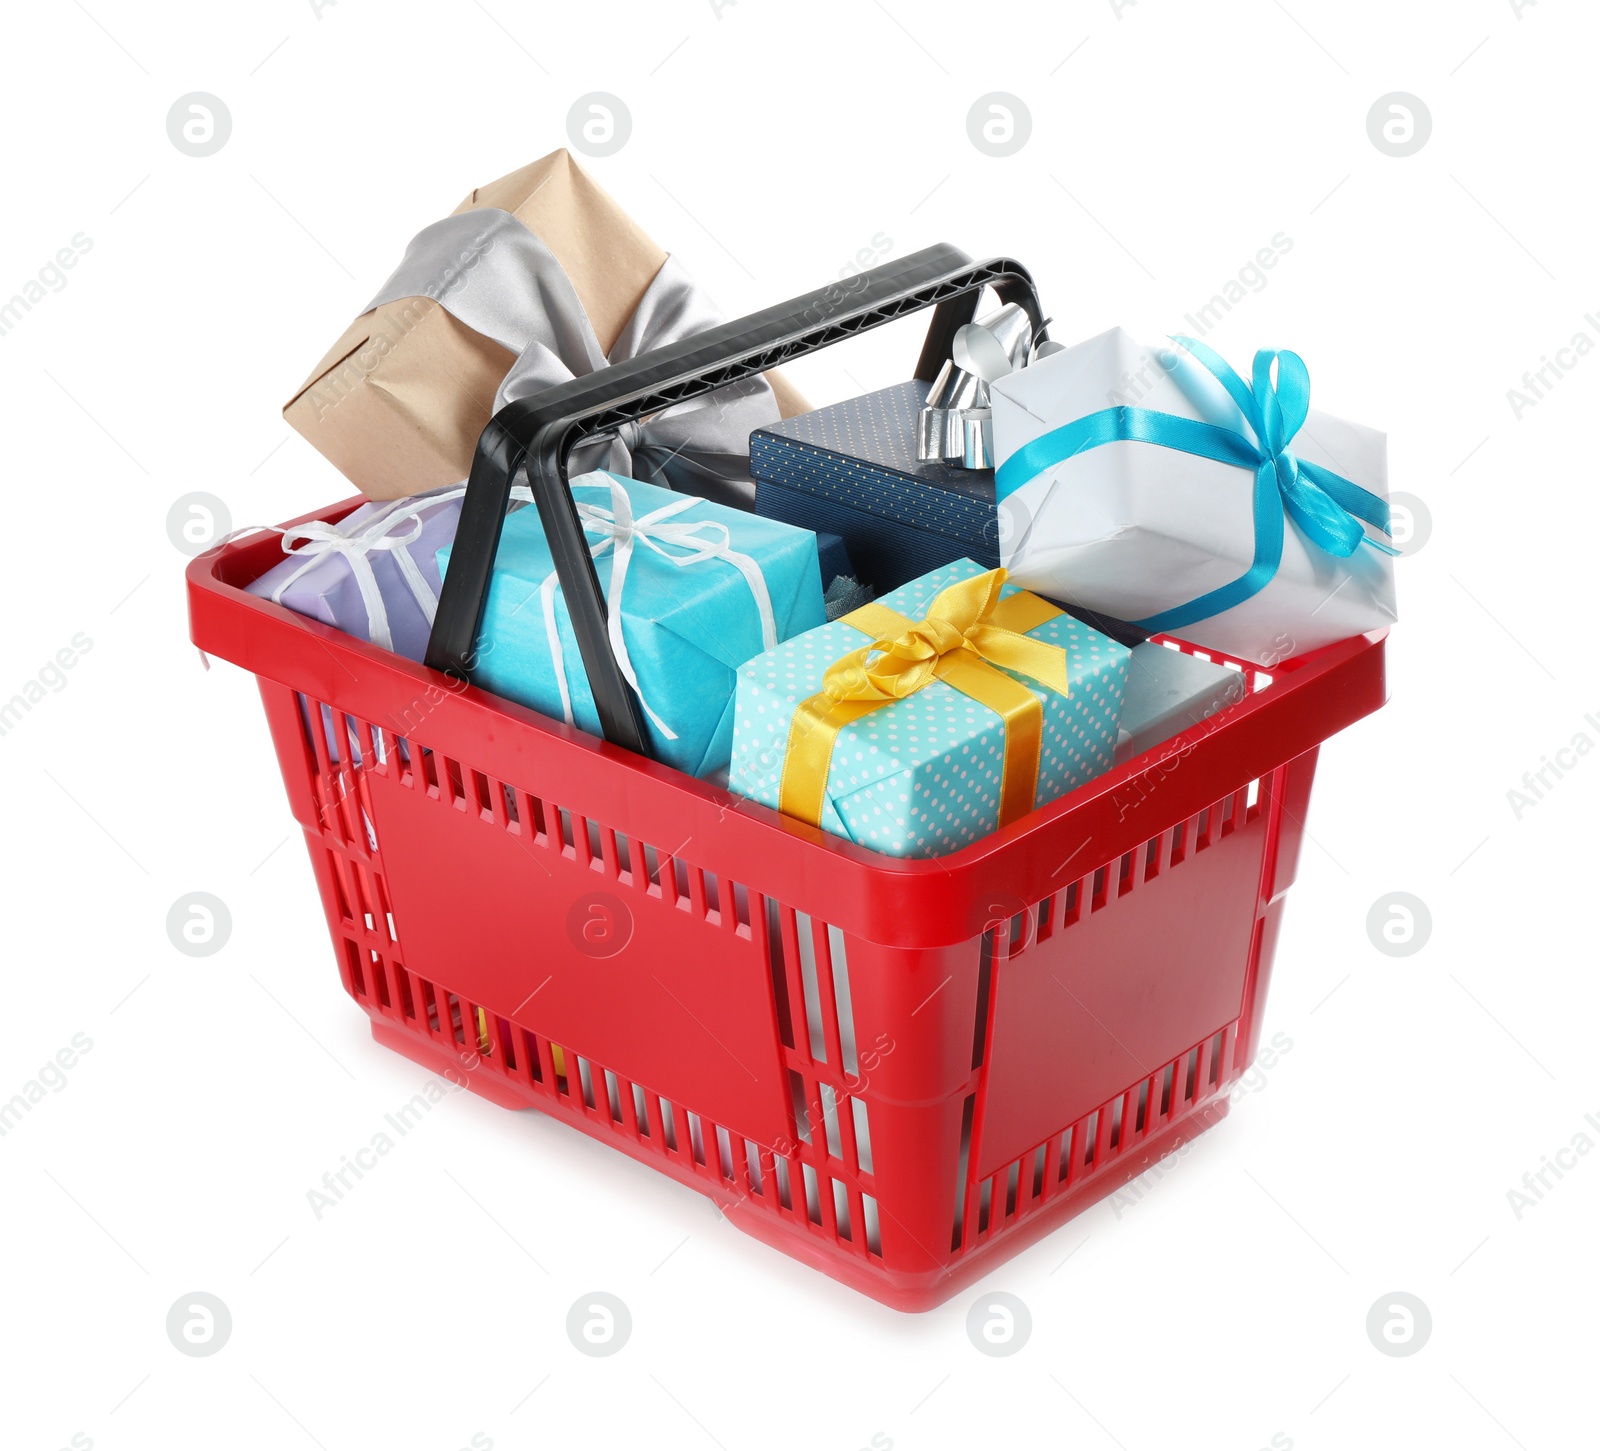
[539,432]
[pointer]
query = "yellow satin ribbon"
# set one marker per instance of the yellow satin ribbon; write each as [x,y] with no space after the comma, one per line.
[967,632]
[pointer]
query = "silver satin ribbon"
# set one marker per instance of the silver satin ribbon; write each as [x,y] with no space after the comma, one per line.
[489,272]
[956,424]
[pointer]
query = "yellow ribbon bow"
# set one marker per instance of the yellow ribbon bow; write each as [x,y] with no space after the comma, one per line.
[967,632]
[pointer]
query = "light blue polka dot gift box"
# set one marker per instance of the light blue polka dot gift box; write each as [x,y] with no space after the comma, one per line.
[922,722]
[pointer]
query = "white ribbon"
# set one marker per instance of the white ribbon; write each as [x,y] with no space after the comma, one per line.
[620,531]
[311,542]
[701,540]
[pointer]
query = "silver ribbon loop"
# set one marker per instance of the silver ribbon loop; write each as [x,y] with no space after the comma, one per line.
[956,425]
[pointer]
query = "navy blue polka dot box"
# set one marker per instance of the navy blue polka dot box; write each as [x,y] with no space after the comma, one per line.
[918,723]
[851,469]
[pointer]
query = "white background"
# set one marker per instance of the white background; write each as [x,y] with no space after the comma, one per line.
[1227,1305]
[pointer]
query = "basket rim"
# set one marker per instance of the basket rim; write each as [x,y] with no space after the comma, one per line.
[1309,698]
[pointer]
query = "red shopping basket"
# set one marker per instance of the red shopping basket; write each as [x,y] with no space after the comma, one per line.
[899,1072]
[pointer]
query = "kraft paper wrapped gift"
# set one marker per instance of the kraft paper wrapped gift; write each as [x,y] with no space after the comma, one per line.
[1157,486]
[534,278]
[699,590]
[922,722]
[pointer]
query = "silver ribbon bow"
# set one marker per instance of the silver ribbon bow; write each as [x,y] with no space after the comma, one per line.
[956,425]
[489,272]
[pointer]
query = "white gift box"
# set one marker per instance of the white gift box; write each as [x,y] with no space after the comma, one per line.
[1135,529]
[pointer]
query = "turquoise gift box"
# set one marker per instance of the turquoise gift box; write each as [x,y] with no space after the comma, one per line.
[921,775]
[699,590]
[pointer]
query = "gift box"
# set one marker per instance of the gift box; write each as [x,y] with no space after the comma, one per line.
[1169,691]
[533,279]
[1157,486]
[920,723]
[833,559]
[374,574]
[694,590]
[852,469]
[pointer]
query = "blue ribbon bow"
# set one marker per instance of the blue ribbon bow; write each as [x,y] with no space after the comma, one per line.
[1328,508]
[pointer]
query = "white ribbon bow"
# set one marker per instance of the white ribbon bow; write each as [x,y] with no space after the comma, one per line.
[620,531]
[378,531]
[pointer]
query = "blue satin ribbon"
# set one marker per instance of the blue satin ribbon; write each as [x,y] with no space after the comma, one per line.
[1328,508]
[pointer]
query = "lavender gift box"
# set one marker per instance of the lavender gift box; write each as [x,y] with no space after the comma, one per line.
[374,574]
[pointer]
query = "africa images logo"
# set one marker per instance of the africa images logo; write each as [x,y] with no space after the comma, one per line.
[52,277]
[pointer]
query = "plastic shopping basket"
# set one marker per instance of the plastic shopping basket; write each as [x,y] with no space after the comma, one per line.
[900,1072]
